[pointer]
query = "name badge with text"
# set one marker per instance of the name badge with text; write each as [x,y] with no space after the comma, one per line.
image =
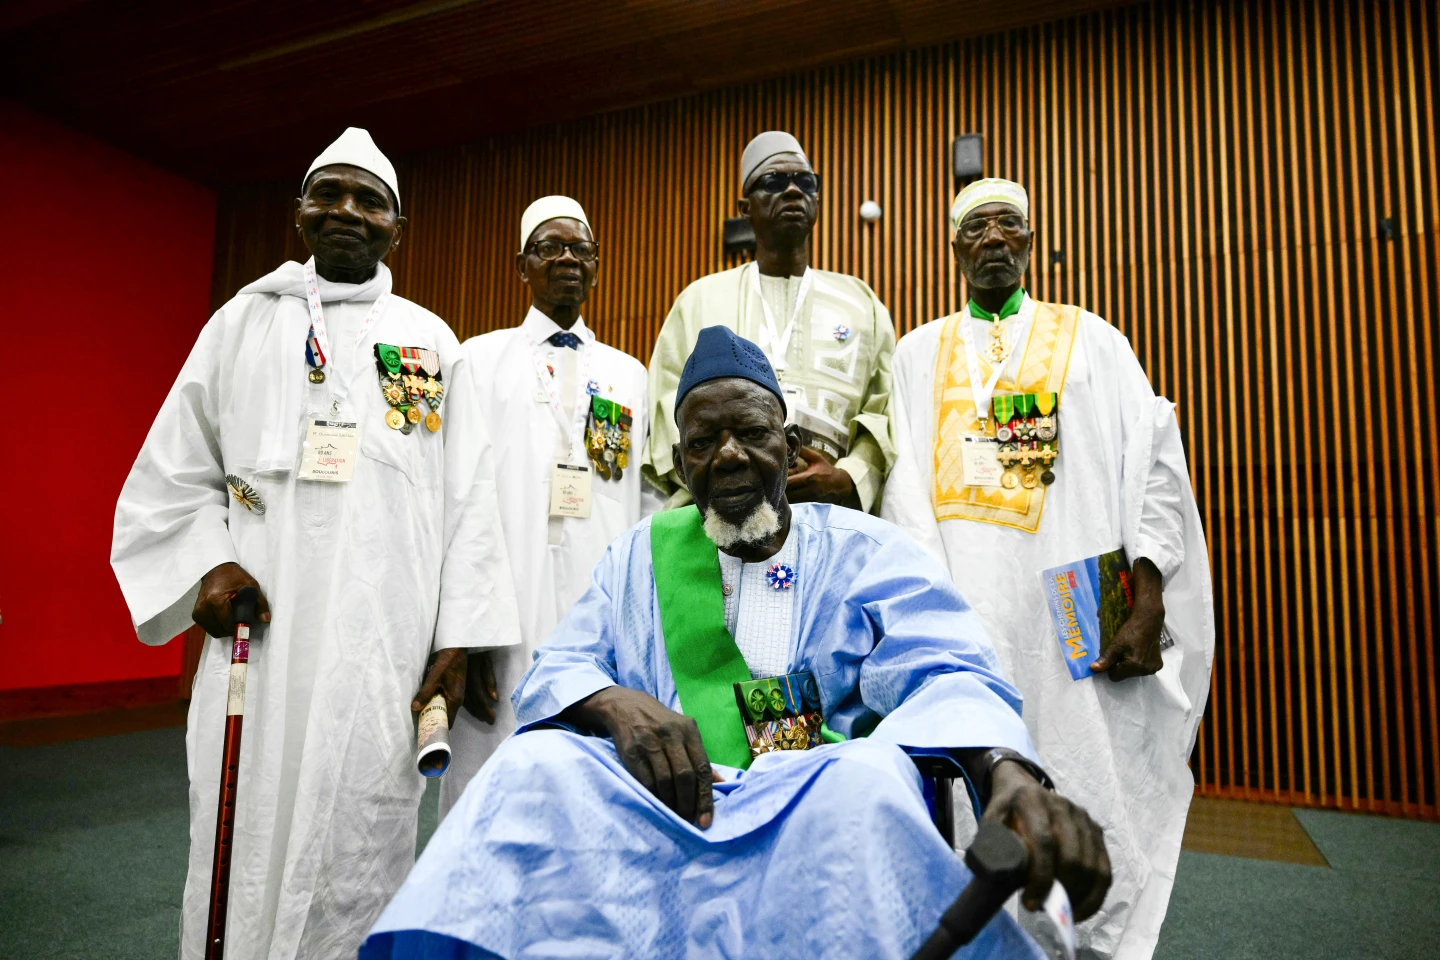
[980,456]
[329,451]
[570,491]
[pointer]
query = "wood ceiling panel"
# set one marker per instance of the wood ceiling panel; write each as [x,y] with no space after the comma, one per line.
[249,89]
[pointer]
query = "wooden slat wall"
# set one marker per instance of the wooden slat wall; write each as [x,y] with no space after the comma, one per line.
[1212,178]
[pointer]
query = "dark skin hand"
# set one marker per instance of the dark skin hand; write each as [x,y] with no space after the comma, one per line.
[1134,651]
[1063,842]
[217,589]
[445,674]
[349,221]
[481,692]
[558,287]
[993,265]
[660,748]
[813,479]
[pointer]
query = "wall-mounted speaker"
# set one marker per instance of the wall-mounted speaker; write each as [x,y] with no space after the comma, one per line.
[969,156]
[739,236]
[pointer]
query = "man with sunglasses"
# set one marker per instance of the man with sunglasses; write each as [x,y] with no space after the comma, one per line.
[827,335]
[566,417]
[1028,438]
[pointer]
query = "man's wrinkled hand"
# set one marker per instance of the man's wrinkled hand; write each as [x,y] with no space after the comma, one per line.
[481,693]
[813,479]
[1063,842]
[1134,651]
[660,748]
[446,674]
[217,588]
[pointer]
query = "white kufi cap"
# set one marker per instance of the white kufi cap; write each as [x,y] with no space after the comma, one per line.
[991,190]
[762,148]
[355,148]
[549,208]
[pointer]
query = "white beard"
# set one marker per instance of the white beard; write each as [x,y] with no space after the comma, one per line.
[762,524]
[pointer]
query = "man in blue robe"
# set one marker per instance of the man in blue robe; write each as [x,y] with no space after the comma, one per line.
[638,813]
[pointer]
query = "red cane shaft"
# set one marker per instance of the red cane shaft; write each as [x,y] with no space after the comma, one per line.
[229,777]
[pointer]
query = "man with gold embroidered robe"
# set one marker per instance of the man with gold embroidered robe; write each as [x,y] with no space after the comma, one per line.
[1118,478]
[827,336]
[614,824]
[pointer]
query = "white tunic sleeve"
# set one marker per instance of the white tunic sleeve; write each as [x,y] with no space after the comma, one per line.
[1154,476]
[171,522]
[477,594]
[907,500]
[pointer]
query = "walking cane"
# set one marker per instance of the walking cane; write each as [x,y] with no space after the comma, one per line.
[242,606]
[999,862]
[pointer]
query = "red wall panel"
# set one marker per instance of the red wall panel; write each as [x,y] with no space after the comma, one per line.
[105,270]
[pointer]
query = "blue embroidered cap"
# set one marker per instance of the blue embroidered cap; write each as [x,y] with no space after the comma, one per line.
[721,352]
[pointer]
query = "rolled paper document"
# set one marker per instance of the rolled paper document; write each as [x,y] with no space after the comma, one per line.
[432,738]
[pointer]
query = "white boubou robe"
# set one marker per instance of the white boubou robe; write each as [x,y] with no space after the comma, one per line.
[1120,750]
[551,558]
[364,580]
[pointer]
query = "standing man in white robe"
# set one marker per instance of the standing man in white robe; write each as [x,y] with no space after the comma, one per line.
[1120,749]
[391,556]
[827,335]
[556,401]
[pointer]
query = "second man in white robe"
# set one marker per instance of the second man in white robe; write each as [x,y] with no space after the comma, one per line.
[567,418]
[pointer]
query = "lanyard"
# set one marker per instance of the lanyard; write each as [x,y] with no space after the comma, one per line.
[776,344]
[317,345]
[982,390]
[572,430]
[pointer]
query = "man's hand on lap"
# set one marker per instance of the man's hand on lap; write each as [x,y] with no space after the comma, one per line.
[1063,842]
[660,748]
[813,479]
[446,674]
[217,588]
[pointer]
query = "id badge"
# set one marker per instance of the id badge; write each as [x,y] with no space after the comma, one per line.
[329,451]
[980,457]
[570,491]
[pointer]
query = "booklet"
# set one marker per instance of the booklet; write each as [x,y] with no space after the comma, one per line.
[1089,600]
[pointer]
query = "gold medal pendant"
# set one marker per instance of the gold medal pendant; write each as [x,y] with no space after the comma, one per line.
[413,414]
[394,419]
[1008,480]
[432,421]
[317,375]
[1028,480]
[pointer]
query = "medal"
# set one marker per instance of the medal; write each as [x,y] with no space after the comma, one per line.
[1008,480]
[413,414]
[394,393]
[622,459]
[1028,480]
[1048,477]
[432,421]
[1004,434]
[394,419]
[602,469]
[244,494]
[1045,428]
[616,472]
[317,375]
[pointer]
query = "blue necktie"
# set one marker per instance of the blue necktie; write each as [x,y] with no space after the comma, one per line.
[565,339]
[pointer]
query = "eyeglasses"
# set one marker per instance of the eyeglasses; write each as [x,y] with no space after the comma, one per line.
[777,182]
[582,250]
[1010,224]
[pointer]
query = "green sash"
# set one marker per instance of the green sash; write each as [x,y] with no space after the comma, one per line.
[703,656]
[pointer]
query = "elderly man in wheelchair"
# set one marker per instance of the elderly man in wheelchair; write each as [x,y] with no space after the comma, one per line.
[718,746]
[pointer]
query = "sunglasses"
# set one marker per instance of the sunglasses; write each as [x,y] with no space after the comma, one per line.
[777,182]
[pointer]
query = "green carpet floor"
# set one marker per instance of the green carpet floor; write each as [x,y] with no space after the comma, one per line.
[93,837]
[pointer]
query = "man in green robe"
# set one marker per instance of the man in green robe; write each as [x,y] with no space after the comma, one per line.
[827,335]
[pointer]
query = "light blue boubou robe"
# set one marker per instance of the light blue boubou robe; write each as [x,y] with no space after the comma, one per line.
[556,851]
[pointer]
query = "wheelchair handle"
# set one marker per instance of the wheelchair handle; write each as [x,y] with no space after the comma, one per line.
[999,862]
